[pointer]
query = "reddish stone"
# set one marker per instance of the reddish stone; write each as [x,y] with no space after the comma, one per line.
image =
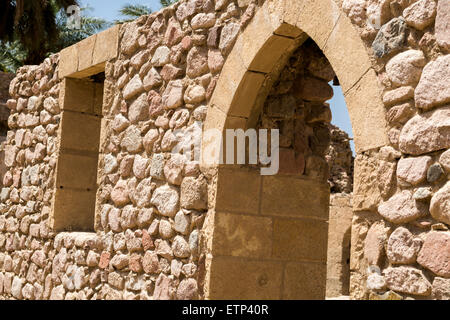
[186,43]
[135,263]
[162,287]
[150,262]
[155,104]
[290,163]
[169,72]
[435,253]
[313,89]
[104,260]
[214,37]
[147,242]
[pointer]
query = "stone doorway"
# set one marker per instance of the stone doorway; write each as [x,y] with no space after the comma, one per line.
[270,239]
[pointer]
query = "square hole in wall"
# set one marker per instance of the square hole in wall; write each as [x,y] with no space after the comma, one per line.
[76,173]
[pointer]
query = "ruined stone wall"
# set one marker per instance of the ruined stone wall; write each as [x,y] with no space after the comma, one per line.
[5,79]
[340,161]
[154,211]
[400,238]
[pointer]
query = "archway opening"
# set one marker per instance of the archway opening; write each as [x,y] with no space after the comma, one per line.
[271,232]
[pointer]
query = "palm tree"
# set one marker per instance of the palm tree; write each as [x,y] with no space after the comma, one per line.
[32,23]
[14,54]
[166,3]
[134,11]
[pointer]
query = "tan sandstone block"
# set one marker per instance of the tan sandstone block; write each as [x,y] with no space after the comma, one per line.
[242,236]
[232,73]
[292,197]
[347,54]
[73,210]
[316,18]
[77,95]
[85,52]
[245,279]
[304,281]
[367,113]
[300,239]
[67,57]
[246,94]
[259,48]
[238,191]
[74,138]
[106,46]
[69,168]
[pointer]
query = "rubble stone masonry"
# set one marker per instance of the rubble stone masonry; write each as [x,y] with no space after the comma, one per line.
[95,206]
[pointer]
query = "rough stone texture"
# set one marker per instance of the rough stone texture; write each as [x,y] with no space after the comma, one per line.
[390,38]
[435,253]
[407,280]
[442,25]
[402,247]
[374,244]
[406,67]
[427,132]
[413,170]
[151,237]
[441,288]
[434,86]
[420,14]
[402,208]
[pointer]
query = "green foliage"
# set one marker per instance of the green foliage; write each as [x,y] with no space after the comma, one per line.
[132,12]
[14,54]
[166,3]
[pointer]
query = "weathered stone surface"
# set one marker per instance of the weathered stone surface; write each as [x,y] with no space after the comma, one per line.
[203,20]
[166,200]
[401,113]
[152,79]
[132,140]
[442,25]
[228,36]
[138,110]
[434,173]
[406,67]
[402,208]
[413,170]
[444,160]
[426,132]
[162,287]
[133,88]
[375,282]
[161,56]
[390,38]
[374,243]
[435,253]
[180,247]
[407,280]
[187,290]
[172,97]
[119,194]
[402,247]
[434,85]
[441,288]
[194,194]
[420,14]
[398,95]
[197,62]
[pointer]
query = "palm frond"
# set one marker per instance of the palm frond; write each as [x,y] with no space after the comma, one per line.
[166,3]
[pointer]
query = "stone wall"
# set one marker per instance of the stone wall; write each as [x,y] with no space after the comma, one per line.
[5,79]
[154,213]
[340,161]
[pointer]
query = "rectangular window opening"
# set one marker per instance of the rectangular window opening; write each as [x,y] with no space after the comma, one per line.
[76,173]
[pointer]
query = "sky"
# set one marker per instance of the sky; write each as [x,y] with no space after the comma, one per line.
[109,10]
